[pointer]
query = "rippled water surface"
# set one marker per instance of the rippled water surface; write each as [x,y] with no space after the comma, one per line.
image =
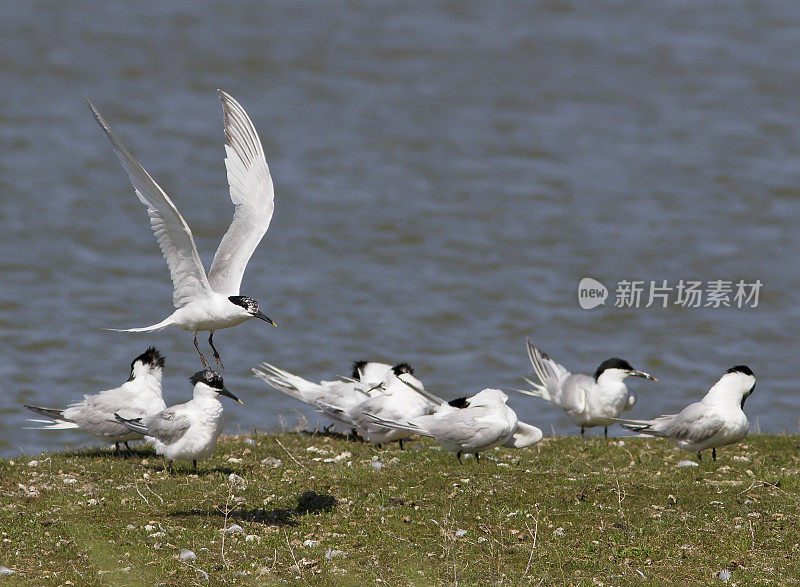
[445,175]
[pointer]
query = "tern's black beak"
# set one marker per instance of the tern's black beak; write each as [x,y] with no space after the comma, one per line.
[262,316]
[745,396]
[642,374]
[224,391]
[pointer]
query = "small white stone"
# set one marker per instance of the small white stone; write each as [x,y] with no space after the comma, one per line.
[92,502]
[70,480]
[187,555]
[724,575]
[333,553]
[234,529]
[460,532]
[33,463]
[272,461]
[235,461]
[377,465]
[157,535]
[249,441]
[687,464]
[741,459]
[236,480]
[149,528]
[250,538]
[310,543]
[559,531]
[6,571]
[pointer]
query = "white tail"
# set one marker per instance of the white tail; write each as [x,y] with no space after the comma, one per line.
[51,425]
[290,384]
[161,325]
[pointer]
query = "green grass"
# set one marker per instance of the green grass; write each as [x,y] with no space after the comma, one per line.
[565,511]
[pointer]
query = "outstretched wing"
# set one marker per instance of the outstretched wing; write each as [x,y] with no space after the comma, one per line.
[252,195]
[172,233]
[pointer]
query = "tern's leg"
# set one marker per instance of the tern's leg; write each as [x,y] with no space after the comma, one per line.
[194,462]
[216,354]
[714,454]
[477,458]
[605,432]
[699,456]
[582,431]
[170,470]
[458,456]
[197,346]
[116,448]
[401,444]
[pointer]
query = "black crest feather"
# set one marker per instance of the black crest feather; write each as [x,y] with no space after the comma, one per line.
[459,402]
[152,356]
[401,368]
[613,363]
[741,369]
[210,378]
[358,366]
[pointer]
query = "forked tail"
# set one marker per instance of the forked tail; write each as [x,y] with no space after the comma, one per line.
[134,424]
[284,381]
[56,422]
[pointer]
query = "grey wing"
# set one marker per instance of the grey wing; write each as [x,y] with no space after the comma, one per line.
[168,426]
[97,418]
[252,195]
[694,423]
[571,397]
[467,427]
[172,233]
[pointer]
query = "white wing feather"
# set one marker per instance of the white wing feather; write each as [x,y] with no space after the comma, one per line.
[172,233]
[252,195]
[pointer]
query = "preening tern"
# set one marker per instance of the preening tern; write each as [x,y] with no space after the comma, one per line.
[716,420]
[209,303]
[189,430]
[587,401]
[470,425]
[345,401]
[139,396]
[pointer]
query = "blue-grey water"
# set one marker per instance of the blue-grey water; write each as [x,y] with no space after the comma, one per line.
[445,174]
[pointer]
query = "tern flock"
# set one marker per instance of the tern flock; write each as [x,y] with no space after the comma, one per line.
[380,403]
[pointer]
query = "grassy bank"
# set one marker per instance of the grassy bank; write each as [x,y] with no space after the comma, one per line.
[302,508]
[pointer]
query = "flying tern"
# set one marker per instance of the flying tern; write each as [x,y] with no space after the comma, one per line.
[587,401]
[470,425]
[209,302]
[139,396]
[189,430]
[716,420]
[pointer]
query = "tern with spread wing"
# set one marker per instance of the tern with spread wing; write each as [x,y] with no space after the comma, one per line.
[716,420]
[139,396]
[209,302]
[587,401]
[189,430]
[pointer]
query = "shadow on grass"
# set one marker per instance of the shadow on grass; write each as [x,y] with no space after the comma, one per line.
[143,452]
[309,502]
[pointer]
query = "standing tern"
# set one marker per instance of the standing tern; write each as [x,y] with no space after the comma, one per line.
[470,425]
[139,396]
[209,302]
[716,420]
[587,401]
[189,430]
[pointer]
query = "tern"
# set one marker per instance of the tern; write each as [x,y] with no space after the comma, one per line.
[189,430]
[209,302]
[587,401]
[716,420]
[470,425]
[396,400]
[346,401]
[139,396]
